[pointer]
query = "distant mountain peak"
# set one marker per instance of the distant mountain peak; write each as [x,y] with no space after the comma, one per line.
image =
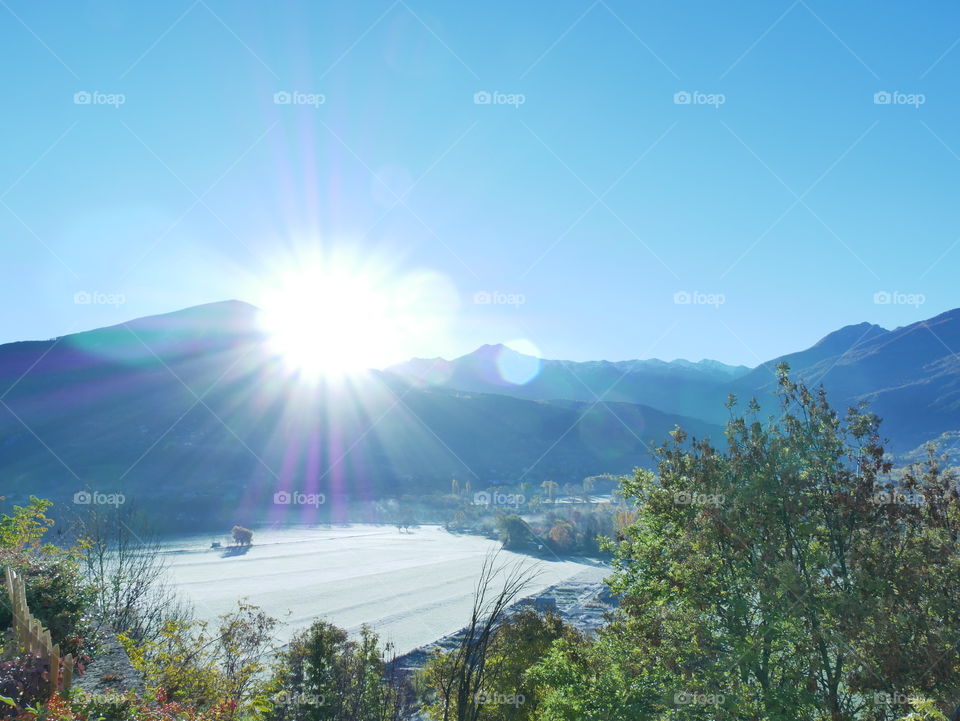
[850,336]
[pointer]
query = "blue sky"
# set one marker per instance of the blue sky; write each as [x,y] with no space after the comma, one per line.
[780,201]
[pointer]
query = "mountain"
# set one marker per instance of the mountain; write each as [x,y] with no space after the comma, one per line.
[192,411]
[910,376]
[679,387]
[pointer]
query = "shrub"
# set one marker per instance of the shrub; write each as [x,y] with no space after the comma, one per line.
[83,707]
[24,681]
[56,593]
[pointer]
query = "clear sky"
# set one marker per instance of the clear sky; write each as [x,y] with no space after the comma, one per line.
[581,199]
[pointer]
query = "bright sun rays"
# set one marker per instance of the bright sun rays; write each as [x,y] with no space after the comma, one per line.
[333,318]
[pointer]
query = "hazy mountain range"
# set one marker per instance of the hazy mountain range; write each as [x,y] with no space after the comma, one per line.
[192,409]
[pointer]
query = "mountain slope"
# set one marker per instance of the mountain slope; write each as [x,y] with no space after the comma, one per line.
[680,387]
[192,411]
[910,376]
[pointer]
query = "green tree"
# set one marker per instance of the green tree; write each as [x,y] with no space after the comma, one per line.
[789,575]
[518,644]
[323,676]
[514,532]
[27,525]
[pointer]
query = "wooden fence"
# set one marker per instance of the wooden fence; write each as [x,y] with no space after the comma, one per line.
[31,637]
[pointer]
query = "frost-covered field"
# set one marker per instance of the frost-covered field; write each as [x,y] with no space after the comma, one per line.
[412,587]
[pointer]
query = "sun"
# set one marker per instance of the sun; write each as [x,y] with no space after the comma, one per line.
[329,322]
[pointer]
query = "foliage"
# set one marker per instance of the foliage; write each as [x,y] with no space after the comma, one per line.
[55,588]
[454,684]
[924,710]
[24,681]
[83,707]
[782,577]
[514,532]
[242,536]
[518,644]
[26,526]
[322,675]
[199,668]
[589,680]
[122,561]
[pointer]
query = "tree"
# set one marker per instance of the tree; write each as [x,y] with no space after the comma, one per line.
[550,488]
[561,535]
[122,559]
[453,682]
[518,644]
[27,525]
[205,668]
[514,532]
[56,591]
[323,676]
[242,536]
[789,575]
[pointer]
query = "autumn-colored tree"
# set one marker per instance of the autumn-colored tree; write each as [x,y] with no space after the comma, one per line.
[242,536]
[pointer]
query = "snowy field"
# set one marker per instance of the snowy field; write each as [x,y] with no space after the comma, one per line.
[412,587]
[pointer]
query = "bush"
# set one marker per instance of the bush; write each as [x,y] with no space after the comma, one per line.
[83,707]
[24,681]
[56,593]
[323,676]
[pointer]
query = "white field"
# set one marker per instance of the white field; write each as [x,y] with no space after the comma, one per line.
[413,588]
